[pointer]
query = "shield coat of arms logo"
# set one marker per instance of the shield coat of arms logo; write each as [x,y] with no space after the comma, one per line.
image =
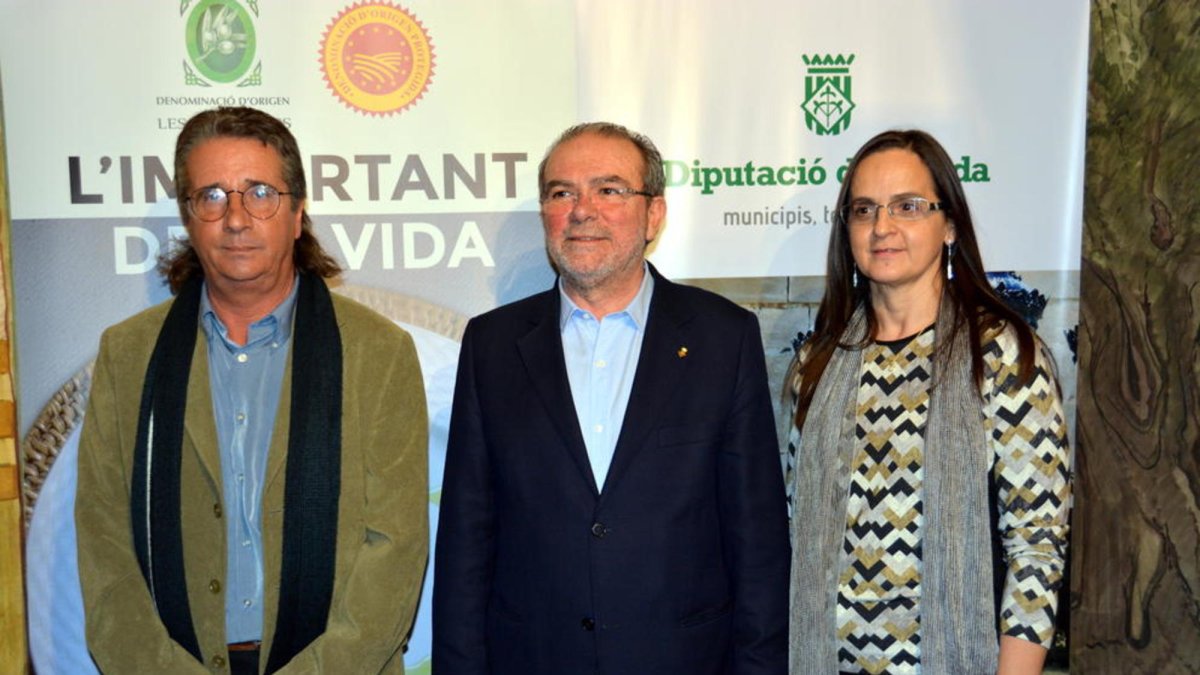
[827,101]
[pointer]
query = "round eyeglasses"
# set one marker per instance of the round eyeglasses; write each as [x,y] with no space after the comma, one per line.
[908,208]
[212,203]
[561,199]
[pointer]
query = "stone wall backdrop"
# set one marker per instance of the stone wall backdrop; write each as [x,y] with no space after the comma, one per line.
[1136,577]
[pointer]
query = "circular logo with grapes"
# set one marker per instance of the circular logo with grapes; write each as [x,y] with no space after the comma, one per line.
[377,58]
[220,40]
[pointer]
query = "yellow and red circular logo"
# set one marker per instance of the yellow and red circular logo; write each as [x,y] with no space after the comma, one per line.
[377,58]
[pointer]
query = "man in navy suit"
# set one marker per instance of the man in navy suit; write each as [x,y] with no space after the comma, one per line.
[612,501]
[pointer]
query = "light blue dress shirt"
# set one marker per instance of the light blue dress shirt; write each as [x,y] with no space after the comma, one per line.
[602,359]
[245,381]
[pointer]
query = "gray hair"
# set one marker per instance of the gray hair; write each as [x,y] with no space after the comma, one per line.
[654,179]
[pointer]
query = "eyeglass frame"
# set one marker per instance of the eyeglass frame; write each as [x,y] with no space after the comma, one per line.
[844,212]
[625,192]
[278,202]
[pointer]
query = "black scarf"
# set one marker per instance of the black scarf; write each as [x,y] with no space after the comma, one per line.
[313,474]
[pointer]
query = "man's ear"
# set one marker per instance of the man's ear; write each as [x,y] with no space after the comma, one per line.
[656,215]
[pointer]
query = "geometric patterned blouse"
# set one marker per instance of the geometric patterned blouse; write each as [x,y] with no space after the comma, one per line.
[878,620]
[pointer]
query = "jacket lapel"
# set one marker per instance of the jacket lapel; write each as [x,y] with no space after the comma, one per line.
[542,353]
[277,452]
[659,372]
[200,427]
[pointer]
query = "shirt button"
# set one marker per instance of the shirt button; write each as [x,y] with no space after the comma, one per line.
[242,358]
[247,602]
[598,428]
[214,586]
[218,661]
[241,417]
[217,510]
[241,477]
[599,530]
[601,363]
[245,542]
[588,624]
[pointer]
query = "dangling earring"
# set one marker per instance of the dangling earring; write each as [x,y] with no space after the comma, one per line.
[855,276]
[950,261]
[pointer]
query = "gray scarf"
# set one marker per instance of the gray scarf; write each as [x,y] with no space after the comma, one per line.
[958,622]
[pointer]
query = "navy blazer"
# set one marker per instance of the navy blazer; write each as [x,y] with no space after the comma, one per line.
[681,564]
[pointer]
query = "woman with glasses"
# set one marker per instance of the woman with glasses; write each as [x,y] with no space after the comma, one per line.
[928,466]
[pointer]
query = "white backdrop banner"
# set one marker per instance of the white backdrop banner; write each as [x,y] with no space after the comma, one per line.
[422,124]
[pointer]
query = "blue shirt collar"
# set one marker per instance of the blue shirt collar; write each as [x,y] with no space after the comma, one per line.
[274,327]
[638,308]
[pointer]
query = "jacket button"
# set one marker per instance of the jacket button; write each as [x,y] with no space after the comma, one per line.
[218,661]
[588,624]
[214,586]
[599,530]
[217,510]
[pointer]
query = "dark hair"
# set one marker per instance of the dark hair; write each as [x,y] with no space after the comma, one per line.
[181,263]
[976,306]
[654,179]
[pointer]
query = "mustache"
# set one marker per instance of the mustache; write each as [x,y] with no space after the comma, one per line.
[589,230]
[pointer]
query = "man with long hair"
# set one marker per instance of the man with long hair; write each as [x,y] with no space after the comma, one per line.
[252,470]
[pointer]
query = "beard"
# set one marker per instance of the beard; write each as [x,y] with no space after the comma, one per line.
[587,270]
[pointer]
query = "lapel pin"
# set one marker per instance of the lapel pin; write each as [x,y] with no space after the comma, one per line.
[682,352]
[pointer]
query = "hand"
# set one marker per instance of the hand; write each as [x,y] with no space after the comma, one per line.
[1020,657]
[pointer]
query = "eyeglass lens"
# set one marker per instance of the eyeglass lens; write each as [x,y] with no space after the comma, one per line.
[909,208]
[260,201]
[560,199]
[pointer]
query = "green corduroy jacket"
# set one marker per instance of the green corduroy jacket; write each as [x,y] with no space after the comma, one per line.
[383,538]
